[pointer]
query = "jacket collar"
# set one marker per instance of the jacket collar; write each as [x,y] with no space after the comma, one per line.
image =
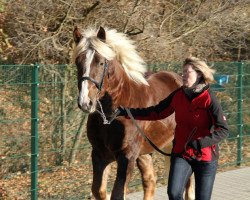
[193,92]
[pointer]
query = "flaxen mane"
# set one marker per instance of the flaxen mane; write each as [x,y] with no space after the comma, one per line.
[118,46]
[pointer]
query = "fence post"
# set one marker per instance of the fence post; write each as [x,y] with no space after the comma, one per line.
[34,132]
[240,117]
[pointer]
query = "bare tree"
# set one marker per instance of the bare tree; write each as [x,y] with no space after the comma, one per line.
[164,30]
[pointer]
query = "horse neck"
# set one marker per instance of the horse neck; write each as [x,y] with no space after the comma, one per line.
[123,90]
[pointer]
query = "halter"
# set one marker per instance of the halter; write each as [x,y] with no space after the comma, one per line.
[100,84]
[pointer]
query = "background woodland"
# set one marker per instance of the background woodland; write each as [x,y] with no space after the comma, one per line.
[164,30]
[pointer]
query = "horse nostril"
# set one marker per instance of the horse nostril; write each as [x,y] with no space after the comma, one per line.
[90,103]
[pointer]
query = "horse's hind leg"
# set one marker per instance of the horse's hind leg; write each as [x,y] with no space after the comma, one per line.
[100,175]
[145,165]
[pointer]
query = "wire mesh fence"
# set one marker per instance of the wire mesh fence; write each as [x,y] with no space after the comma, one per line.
[44,152]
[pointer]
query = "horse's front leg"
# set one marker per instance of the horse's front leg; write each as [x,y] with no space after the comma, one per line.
[101,170]
[145,165]
[125,168]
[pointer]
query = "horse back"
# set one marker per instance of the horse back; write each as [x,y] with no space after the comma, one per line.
[162,83]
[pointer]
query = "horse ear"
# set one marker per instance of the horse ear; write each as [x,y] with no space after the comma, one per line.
[101,34]
[77,35]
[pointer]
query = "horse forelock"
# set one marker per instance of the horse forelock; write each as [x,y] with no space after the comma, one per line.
[119,46]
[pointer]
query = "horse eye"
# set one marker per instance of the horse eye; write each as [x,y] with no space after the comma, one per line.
[101,63]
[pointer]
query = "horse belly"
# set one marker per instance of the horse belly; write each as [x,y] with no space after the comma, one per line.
[160,132]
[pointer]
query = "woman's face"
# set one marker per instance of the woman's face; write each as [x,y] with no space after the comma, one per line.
[189,76]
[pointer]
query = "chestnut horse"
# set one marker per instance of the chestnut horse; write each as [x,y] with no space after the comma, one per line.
[111,74]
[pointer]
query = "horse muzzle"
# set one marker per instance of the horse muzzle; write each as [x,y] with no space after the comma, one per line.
[87,106]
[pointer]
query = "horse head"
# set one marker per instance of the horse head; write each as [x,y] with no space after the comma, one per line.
[92,68]
[107,65]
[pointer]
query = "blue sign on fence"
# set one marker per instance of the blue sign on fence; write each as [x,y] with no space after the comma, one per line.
[221,81]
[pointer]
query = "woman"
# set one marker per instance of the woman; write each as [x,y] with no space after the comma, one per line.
[200,126]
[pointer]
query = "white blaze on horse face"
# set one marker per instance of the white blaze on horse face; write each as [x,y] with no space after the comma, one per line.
[84,100]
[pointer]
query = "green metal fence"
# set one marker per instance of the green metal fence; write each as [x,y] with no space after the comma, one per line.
[44,153]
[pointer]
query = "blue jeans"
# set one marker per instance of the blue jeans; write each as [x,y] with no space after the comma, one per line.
[181,170]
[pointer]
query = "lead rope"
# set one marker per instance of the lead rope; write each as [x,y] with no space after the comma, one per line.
[190,138]
[144,135]
[105,120]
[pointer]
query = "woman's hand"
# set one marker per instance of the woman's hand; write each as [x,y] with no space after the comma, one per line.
[196,145]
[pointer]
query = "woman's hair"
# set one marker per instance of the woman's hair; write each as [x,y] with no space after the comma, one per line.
[201,66]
